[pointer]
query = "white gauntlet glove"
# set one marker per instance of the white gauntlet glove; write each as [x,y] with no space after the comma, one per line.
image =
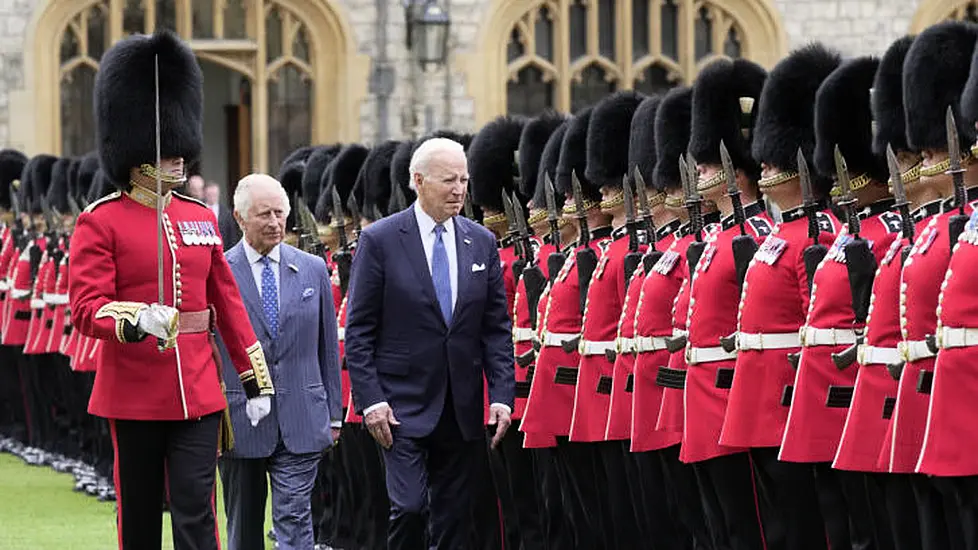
[257,408]
[159,321]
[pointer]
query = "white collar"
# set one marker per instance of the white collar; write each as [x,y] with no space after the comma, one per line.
[426,224]
[254,257]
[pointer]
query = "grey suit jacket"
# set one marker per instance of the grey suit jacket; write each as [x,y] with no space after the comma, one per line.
[303,360]
[226,224]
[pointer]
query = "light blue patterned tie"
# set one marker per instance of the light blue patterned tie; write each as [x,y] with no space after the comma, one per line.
[440,275]
[269,296]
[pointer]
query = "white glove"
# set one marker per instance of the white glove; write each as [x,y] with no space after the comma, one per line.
[257,408]
[160,321]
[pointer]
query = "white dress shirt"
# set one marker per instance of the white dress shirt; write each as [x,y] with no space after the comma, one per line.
[216,209]
[254,260]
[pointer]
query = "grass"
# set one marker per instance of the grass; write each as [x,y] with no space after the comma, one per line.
[39,511]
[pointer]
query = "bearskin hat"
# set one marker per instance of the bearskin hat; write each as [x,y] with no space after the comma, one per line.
[934,76]
[125,104]
[969,97]
[548,168]
[533,140]
[290,176]
[725,98]
[887,99]
[573,157]
[86,174]
[101,186]
[315,165]
[374,180]
[464,139]
[73,167]
[34,182]
[641,140]
[607,138]
[401,171]
[341,175]
[672,129]
[11,166]
[57,192]
[843,117]
[301,154]
[492,161]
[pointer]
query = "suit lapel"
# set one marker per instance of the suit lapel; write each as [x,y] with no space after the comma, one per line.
[289,290]
[463,254]
[411,243]
[246,283]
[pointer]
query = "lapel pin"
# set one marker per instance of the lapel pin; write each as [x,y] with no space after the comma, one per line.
[467,241]
[293,268]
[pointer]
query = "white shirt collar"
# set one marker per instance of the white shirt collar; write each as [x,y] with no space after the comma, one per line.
[426,224]
[254,257]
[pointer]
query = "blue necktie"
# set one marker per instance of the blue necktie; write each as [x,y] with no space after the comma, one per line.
[440,275]
[269,296]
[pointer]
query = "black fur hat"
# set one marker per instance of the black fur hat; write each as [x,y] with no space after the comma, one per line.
[301,154]
[786,117]
[290,176]
[607,138]
[532,142]
[374,180]
[573,157]
[73,167]
[11,166]
[887,99]
[725,98]
[86,174]
[125,102]
[341,175]
[464,139]
[101,187]
[401,170]
[548,168]
[34,182]
[934,76]
[492,161]
[641,140]
[672,129]
[969,97]
[843,116]
[57,192]
[315,165]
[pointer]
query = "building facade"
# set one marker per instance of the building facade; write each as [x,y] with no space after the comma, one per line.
[284,73]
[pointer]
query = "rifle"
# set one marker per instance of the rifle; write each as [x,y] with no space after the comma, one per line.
[467,205]
[511,231]
[587,258]
[342,257]
[744,246]
[555,262]
[306,228]
[653,255]
[634,257]
[533,278]
[902,204]
[398,201]
[955,225]
[687,170]
[351,204]
[816,251]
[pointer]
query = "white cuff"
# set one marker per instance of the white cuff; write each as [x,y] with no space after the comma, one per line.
[374,407]
[336,424]
[503,405]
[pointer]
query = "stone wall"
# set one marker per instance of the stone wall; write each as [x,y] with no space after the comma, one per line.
[14,18]
[855,27]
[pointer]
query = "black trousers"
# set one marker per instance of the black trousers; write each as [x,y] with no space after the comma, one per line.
[939,524]
[901,510]
[150,454]
[581,475]
[623,530]
[789,503]
[13,417]
[727,491]
[519,492]
[964,491]
[850,519]
[557,533]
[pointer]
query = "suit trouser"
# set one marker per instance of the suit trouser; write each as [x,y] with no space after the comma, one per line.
[939,526]
[961,493]
[901,510]
[850,520]
[522,518]
[245,483]
[727,490]
[431,477]
[487,502]
[658,509]
[789,503]
[557,534]
[581,475]
[185,453]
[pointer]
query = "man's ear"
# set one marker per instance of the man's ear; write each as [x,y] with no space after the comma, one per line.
[237,218]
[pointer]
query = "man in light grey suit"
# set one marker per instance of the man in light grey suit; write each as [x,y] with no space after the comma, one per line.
[289,299]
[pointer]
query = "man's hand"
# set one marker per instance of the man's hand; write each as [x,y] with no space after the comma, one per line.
[499,417]
[159,321]
[335,433]
[257,408]
[379,422]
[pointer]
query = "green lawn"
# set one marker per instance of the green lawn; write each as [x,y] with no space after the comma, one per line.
[39,511]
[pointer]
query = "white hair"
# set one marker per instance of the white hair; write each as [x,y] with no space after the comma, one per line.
[429,149]
[246,186]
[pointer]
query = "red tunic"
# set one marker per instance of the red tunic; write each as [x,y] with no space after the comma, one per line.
[773,302]
[36,325]
[114,264]
[522,328]
[714,293]
[7,253]
[57,302]
[814,429]
[18,307]
[952,421]
[619,425]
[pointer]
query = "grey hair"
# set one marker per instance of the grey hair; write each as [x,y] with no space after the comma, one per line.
[242,194]
[423,155]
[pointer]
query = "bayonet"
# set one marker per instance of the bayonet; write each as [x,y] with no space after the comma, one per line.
[580,213]
[351,204]
[398,201]
[954,158]
[73,207]
[467,204]
[629,197]
[732,190]
[644,213]
[693,200]
[508,212]
[14,202]
[523,231]
[552,218]
[899,193]
[808,196]
[339,218]
[846,199]
[49,216]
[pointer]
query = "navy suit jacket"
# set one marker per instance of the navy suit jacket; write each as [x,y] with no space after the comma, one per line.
[303,360]
[398,346]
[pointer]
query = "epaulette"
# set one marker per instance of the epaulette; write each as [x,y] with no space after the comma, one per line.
[188,198]
[110,197]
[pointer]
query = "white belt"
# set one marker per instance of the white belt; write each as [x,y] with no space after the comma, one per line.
[56,299]
[37,303]
[626,345]
[523,334]
[644,344]
[811,336]
[696,356]
[914,350]
[595,348]
[340,333]
[780,340]
[677,332]
[4,285]
[556,339]
[872,355]
[20,294]
[957,337]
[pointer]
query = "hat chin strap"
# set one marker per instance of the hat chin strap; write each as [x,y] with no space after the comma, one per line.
[174,180]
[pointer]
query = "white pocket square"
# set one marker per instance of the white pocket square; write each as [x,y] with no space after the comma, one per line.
[307,293]
[478,267]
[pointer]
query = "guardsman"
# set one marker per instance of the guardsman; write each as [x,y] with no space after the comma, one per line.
[550,404]
[935,73]
[775,298]
[837,310]
[11,409]
[725,97]
[659,135]
[607,167]
[157,379]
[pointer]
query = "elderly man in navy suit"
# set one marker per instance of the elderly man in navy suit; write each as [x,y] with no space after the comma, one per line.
[426,320]
[289,300]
